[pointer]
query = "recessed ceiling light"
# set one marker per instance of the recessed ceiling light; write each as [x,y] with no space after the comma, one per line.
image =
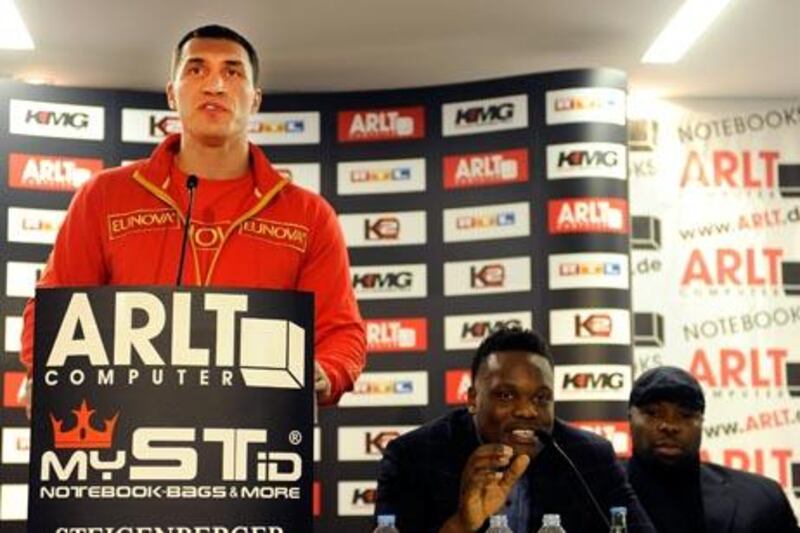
[686,26]
[37,80]
[13,33]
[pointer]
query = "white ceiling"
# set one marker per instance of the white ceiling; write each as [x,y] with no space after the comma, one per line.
[753,49]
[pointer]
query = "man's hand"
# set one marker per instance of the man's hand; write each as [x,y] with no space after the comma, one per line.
[487,479]
[322,384]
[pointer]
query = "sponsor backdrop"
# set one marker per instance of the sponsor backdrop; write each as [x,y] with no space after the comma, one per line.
[467,207]
[715,195]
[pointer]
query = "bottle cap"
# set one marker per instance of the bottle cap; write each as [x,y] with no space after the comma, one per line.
[386,520]
[551,520]
[498,520]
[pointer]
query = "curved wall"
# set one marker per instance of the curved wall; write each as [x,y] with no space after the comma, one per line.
[464,207]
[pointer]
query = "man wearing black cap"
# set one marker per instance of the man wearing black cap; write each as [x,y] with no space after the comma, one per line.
[680,494]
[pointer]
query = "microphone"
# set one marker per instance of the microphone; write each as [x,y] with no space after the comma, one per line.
[191,185]
[547,439]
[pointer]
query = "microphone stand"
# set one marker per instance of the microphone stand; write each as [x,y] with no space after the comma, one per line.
[191,185]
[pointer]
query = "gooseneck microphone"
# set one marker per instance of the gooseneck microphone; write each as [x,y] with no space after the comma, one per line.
[548,440]
[191,185]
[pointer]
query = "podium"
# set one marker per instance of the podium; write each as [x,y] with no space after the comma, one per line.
[188,410]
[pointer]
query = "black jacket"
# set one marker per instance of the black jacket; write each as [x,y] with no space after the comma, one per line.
[733,501]
[420,474]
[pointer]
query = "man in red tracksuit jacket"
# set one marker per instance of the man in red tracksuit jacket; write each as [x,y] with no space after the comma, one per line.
[250,227]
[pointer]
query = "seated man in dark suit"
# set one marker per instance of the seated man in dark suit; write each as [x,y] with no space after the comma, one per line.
[680,494]
[497,455]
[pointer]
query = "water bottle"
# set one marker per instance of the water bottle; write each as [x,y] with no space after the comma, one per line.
[551,523]
[499,524]
[385,524]
[619,520]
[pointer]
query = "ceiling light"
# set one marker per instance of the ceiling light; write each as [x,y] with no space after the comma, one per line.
[686,26]
[37,80]
[13,33]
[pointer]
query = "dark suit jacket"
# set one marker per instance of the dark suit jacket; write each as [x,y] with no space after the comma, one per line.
[420,475]
[737,502]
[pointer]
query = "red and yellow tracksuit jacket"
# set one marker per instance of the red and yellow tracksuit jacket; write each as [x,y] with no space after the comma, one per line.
[125,226]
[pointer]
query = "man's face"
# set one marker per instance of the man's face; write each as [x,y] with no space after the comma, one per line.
[212,90]
[512,396]
[666,432]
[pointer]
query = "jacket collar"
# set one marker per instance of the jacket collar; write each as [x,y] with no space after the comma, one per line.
[718,501]
[462,441]
[156,169]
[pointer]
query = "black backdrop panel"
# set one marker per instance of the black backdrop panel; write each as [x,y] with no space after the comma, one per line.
[489,118]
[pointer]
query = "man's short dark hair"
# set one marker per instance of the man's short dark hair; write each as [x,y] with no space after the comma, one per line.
[214,31]
[510,339]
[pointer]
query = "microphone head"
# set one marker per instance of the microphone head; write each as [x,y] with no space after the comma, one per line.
[191,182]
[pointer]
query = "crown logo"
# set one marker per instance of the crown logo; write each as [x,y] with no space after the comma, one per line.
[83,435]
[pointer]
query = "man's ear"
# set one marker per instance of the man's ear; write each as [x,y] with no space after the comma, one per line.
[472,396]
[171,95]
[256,101]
